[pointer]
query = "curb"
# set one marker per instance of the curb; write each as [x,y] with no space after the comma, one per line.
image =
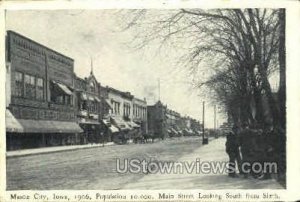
[55,151]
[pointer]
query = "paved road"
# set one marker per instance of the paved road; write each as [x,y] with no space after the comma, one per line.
[93,168]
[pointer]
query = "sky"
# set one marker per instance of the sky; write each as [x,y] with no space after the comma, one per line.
[92,35]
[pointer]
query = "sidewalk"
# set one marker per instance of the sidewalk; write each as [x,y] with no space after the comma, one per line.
[214,151]
[44,150]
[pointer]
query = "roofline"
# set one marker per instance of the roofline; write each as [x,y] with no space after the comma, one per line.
[138,99]
[39,44]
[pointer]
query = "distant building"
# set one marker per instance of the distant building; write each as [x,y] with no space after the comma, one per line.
[40,95]
[139,114]
[88,108]
[157,120]
[164,122]
[173,121]
[121,114]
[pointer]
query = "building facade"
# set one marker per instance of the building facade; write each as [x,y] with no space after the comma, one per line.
[139,114]
[157,120]
[48,105]
[88,108]
[164,122]
[40,89]
[120,116]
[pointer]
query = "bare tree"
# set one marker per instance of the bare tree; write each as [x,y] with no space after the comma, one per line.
[239,45]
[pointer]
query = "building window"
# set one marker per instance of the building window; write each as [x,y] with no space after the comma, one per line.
[93,107]
[93,87]
[116,107]
[29,86]
[126,110]
[18,90]
[59,96]
[39,89]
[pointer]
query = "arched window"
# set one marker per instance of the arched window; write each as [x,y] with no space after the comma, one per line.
[93,87]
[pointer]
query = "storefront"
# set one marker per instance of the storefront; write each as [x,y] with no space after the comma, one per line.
[125,130]
[91,130]
[28,133]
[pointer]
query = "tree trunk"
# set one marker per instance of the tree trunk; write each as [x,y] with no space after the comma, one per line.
[282,61]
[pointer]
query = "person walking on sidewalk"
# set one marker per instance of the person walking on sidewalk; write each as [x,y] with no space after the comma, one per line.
[236,131]
[232,149]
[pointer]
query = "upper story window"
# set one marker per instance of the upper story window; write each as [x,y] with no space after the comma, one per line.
[126,110]
[18,88]
[39,89]
[60,94]
[93,87]
[29,86]
[116,107]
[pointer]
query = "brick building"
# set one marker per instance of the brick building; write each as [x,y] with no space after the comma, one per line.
[157,120]
[40,107]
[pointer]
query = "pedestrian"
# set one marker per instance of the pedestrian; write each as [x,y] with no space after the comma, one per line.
[245,142]
[236,130]
[232,151]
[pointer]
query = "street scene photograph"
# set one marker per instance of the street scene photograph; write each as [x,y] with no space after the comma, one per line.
[145,99]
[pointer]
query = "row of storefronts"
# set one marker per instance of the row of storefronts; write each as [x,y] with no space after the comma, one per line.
[47,104]
[164,122]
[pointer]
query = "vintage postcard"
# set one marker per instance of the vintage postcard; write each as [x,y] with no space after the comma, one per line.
[150,101]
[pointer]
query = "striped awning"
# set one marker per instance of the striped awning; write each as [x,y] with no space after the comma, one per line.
[12,124]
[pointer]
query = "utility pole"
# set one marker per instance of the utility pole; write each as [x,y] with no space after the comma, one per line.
[158,89]
[215,117]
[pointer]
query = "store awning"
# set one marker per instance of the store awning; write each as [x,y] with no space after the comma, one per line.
[121,124]
[188,130]
[83,96]
[133,125]
[174,131]
[97,99]
[113,129]
[199,132]
[106,122]
[93,122]
[38,126]
[91,98]
[12,124]
[63,87]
